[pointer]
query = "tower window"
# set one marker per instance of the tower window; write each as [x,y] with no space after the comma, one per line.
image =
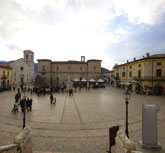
[94,68]
[68,67]
[27,56]
[21,68]
[32,57]
[43,70]
[57,68]
[80,68]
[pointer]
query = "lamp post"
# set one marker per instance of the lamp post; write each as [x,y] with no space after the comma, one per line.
[24,95]
[127,96]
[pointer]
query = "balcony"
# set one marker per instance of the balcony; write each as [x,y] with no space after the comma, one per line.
[149,78]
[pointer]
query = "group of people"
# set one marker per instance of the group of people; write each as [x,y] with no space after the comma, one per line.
[28,105]
[22,102]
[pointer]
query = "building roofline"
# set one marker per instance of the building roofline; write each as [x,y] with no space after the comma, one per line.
[28,51]
[69,62]
[44,60]
[146,58]
[5,67]
[93,60]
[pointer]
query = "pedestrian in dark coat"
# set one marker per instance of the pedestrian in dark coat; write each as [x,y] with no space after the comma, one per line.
[27,104]
[22,105]
[30,104]
[51,98]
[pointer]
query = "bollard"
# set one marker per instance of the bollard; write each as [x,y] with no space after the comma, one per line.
[112,134]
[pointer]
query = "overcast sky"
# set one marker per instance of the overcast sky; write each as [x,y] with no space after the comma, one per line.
[61,30]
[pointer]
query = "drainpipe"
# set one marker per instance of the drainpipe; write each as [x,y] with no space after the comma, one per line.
[152,73]
[127,74]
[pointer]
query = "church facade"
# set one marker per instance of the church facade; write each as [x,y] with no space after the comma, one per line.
[58,72]
[23,69]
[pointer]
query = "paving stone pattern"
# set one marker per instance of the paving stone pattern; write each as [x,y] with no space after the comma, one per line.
[78,123]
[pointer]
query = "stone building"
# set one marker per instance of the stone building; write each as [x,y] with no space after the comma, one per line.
[58,72]
[5,76]
[146,75]
[23,69]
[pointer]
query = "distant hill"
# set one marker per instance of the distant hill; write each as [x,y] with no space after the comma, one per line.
[35,68]
[4,62]
[104,70]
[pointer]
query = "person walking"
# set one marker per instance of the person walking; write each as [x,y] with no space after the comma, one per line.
[51,98]
[27,104]
[22,105]
[30,104]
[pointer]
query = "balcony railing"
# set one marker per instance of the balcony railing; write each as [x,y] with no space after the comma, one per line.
[149,78]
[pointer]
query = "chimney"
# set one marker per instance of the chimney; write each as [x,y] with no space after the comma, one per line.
[82,58]
[127,61]
[134,58]
[147,54]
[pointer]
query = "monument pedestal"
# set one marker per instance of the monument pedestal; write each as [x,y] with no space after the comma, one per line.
[145,146]
[149,127]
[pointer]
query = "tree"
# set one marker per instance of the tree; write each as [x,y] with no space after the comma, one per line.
[41,81]
[116,64]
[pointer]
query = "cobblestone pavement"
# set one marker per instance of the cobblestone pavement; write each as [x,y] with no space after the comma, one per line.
[79,123]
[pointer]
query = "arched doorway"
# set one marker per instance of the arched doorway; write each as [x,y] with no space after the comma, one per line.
[158,89]
[3,84]
[138,88]
[22,79]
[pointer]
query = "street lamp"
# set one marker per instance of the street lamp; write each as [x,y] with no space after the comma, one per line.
[24,94]
[127,96]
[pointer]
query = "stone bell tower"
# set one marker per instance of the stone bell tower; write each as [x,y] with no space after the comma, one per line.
[29,59]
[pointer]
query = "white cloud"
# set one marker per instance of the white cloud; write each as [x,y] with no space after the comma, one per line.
[141,11]
[82,31]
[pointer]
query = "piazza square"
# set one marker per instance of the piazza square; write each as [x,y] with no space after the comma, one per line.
[80,122]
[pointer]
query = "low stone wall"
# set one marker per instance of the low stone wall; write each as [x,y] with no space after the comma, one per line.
[123,144]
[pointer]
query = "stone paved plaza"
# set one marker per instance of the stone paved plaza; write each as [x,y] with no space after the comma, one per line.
[79,123]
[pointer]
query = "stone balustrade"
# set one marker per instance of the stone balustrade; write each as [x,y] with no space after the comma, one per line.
[12,148]
[123,144]
[22,143]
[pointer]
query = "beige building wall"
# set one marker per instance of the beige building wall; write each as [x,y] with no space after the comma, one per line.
[148,68]
[59,72]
